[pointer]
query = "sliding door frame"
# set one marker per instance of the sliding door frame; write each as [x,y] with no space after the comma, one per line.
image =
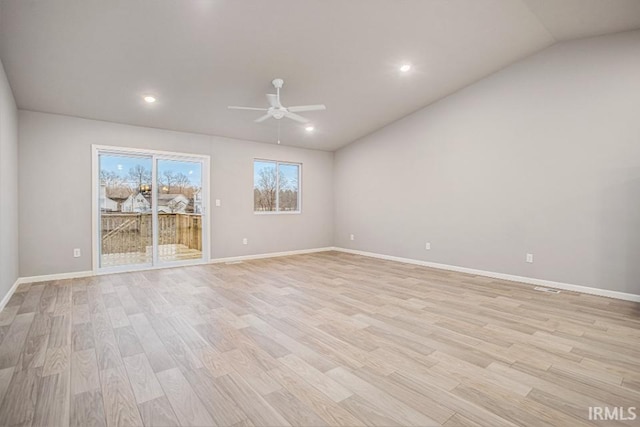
[154,155]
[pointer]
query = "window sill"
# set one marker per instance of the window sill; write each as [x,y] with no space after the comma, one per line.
[278,213]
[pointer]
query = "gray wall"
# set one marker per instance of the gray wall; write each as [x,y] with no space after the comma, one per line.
[542,157]
[55,191]
[8,186]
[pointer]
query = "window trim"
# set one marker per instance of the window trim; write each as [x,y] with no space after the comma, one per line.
[278,211]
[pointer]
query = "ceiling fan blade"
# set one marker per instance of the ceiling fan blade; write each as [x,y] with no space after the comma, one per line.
[296,117]
[262,119]
[246,108]
[300,108]
[273,100]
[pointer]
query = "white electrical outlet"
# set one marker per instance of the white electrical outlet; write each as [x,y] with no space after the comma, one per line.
[217,202]
[530,258]
[76,253]
[352,237]
[427,246]
[245,241]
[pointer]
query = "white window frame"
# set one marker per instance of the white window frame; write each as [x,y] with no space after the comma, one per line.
[278,211]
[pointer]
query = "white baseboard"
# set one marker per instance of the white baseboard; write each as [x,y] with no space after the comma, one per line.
[9,294]
[502,276]
[59,276]
[269,255]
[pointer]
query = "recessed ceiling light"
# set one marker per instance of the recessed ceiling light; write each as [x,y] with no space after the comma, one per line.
[405,67]
[309,128]
[150,99]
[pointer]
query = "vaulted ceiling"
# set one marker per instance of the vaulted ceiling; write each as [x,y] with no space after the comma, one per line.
[97,59]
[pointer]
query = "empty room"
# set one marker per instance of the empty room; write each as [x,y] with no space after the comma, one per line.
[320,213]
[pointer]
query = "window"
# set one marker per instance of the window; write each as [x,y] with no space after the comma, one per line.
[276,187]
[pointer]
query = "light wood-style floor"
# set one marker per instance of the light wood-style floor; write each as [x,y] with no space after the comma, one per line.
[311,340]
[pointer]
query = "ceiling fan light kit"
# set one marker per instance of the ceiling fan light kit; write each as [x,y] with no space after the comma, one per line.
[277,111]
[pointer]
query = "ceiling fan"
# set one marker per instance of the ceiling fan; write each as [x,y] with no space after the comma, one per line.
[277,110]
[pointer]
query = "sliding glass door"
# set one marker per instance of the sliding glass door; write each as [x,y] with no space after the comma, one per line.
[149,209]
[126,220]
[179,196]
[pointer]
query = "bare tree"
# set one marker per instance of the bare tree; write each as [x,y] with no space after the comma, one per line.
[115,185]
[182,182]
[267,187]
[110,178]
[139,175]
[168,179]
[273,186]
[288,193]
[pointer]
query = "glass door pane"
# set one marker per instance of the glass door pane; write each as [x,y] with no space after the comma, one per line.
[179,210]
[125,210]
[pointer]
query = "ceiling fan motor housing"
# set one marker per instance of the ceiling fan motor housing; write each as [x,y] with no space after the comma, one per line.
[278,114]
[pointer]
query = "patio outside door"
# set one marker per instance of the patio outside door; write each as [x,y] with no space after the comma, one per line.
[149,209]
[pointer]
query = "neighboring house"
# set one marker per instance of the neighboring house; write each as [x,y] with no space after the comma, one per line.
[107,204]
[167,203]
[197,202]
[136,203]
[172,203]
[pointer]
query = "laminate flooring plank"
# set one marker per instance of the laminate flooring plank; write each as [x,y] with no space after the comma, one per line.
[32,299]
[14,340]
[80,314]
[181,353]
[250,401]
[16,300]
[60,335]
[47,302]
[186,404]
[7,315]
[33,353]
[82,337]
[158,413]
[84,371]
[127,340]
[368,411]
[63,299]
[414,399]
[3,332]
[18,406]
[87,410]
[129,303]
[458,420]
[395,409]
[220,405]
[5,379]
[119,402]
[57,360]
[247,365]
[292,409]
[142,378]
[317,379]
[157,354]
[118,317]
[331,412]
[79,296]
[41,324]
[53,400]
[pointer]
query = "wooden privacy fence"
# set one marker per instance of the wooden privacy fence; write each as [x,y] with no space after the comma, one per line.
[132,232]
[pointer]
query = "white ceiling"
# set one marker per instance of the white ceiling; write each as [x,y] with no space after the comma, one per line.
[96,59]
